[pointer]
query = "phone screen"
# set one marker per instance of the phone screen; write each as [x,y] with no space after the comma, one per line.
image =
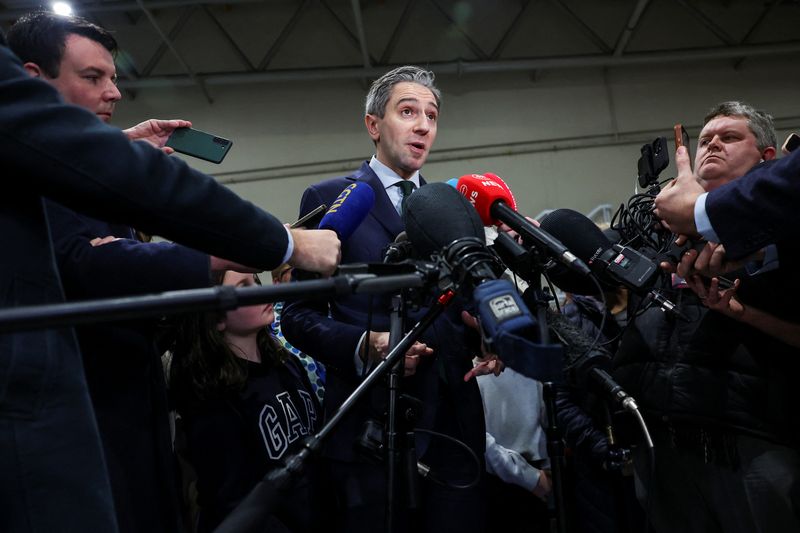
[199,144]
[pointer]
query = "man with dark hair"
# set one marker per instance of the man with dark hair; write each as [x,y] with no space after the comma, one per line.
[402,111]
[716,391]
[52,466]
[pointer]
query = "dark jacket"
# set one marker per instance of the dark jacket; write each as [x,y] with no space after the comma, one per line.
[52,471]
[712,371]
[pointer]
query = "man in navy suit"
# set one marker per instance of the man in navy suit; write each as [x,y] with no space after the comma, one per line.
[52,471]
[349,334]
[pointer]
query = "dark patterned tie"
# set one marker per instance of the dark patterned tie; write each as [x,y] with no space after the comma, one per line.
[406,186]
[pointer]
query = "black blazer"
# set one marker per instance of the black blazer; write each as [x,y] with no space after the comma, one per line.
[52,472]
[332,337]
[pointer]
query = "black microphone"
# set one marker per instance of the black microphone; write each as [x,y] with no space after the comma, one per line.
[400,250]
[586,363]
[613,263]
[440,221]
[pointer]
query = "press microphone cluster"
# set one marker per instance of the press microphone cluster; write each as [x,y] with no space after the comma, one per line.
[613,263]
[440,222]
[494,203]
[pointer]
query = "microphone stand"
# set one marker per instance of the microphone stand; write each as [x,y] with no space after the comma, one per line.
[221,297]
[393,451]
[251,514]
[536,300]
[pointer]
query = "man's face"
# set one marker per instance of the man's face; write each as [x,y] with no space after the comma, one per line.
[87,77]
[407,130]
[726,150]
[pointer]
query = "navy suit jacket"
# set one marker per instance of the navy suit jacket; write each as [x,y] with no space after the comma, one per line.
[759,208]
[330,330]
[52,473]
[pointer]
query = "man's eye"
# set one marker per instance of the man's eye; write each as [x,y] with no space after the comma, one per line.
[406,112]
[432,116]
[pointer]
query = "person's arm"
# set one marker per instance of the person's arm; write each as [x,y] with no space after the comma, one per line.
[122,266]
[65,153]
[758,209]
[724,301]
[511,467]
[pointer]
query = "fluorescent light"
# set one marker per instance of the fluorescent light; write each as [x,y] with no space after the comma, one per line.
[62,8]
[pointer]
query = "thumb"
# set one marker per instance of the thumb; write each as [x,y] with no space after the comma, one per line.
[683,164]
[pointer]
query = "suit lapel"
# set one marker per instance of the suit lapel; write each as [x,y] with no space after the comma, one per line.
[383,211]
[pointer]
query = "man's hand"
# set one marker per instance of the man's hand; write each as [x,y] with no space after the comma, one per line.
[99,241]
[709,262]
[156,132]
[379,348]
[316,250]
[717,299]
[488,363]
[675,203]
[544,486]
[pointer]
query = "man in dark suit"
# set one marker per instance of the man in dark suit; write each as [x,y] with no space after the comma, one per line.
[52,471]
[101,260]
[349,334]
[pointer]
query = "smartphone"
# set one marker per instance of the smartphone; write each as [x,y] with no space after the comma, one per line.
[311,219]
[791,143]
[199,144]
[682,139]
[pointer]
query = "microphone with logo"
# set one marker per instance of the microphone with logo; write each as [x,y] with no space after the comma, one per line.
[495,203]
[441,222]
[344,216]
[349,210]
[612,263]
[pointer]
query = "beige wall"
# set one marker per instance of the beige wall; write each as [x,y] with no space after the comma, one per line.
[554,137]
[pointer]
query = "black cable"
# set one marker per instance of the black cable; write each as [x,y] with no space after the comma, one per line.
[473,455]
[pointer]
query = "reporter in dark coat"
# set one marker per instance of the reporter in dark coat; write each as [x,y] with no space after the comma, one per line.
[52,471]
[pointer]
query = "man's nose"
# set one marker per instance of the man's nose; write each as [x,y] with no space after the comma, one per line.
[112,93]
[422,125]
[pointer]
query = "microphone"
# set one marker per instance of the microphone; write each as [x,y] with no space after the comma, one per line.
[349,210]
[612,263]
[493,203]
[440,221]
[400,250]
[587,364]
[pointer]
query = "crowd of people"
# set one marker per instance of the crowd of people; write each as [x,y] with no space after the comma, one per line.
[97,436]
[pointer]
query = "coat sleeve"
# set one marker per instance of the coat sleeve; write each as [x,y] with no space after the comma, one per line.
[122,267]
[65,153]
[758,209]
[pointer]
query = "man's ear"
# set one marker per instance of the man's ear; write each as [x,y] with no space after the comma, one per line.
[769,153]
[371,121]
[221,325]
[33,69]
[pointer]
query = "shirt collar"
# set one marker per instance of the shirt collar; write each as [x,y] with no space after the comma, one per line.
[388,176]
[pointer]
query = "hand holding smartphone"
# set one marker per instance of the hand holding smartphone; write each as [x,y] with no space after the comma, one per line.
[682,139]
